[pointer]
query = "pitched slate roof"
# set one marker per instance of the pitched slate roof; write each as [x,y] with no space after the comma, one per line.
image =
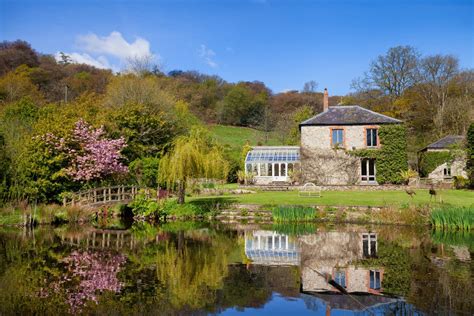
[349,115]
[446,142]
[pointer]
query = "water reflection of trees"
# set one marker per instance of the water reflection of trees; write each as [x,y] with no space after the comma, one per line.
[194,268]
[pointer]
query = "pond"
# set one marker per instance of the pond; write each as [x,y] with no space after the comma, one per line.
[212,268]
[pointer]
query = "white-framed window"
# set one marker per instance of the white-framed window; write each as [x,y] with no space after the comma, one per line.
[340,278]
[367,170]
[371,137]
[337,138]
[369,245]
[375,282]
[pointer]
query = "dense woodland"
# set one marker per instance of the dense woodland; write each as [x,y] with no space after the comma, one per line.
[51,113]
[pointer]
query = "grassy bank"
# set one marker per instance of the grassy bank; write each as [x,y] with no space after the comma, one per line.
[351,198]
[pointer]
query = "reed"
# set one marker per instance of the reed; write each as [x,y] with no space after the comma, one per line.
[453,218]
[293,213]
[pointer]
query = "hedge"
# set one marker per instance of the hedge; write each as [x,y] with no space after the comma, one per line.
[391,157]
[470,154]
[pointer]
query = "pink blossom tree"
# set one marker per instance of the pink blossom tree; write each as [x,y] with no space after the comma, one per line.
[94,156]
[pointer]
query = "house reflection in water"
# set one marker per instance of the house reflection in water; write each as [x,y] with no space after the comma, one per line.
[270,248]
[322,256]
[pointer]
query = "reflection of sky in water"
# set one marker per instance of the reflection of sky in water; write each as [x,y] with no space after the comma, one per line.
[309,305]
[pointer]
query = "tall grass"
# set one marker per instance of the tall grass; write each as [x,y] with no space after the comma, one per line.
[293,213]
[453,218]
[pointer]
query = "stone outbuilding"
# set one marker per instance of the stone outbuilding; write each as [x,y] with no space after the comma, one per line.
[453,166]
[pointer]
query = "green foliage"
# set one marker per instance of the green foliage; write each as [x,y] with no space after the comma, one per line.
[293,213]
[143,206]
[299,116]
[243,106]
[391,158]
[145,171]
[396,262]
[460,182]
[193,156]
[408,174]
[470,154]
[430,160]
[453,218]
[148,132]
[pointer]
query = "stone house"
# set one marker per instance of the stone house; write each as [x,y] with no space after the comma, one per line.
[446,170]
[323,157]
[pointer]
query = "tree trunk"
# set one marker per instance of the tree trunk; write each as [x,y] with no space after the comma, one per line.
[181,192]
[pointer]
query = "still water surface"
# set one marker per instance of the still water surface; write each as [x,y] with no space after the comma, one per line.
[211,268]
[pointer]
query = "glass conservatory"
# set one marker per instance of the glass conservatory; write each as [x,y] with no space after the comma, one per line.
[273,163]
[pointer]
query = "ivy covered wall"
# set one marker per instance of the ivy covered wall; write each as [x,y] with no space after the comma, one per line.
[429,160]
[392,157]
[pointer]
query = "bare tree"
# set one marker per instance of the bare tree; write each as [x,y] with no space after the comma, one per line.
[142,65]
[395,71]
[310,86]
[435,73]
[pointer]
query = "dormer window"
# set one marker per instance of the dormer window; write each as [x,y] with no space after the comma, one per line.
[371,137]
[337,138]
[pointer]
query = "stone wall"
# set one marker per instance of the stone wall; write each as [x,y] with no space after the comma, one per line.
[329,167]
[458,168]
[324,165]
[319,137]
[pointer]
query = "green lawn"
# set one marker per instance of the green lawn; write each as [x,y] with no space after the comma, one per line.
[352,198]
[235,137]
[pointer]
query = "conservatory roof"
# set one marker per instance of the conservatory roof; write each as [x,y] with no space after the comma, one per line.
[273,154]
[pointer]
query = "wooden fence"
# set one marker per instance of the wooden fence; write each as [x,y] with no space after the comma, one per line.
[107,195]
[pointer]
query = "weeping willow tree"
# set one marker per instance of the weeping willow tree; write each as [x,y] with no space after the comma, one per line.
[193,156]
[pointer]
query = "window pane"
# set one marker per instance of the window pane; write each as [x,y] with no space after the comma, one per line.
[374,137]
[364,167]
[249,167]
[277,170]
[283,170]
[369,139]
[270,169]
[263,169]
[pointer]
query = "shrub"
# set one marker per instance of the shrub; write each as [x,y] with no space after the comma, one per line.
[460,182]
[470,155]
[408,174]
[145,207]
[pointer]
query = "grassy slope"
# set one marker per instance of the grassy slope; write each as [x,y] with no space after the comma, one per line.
[235,137]
[354,198]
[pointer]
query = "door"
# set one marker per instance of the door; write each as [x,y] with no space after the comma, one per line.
[367,170]
[279,172]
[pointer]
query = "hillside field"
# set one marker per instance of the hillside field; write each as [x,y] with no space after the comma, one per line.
[234,137]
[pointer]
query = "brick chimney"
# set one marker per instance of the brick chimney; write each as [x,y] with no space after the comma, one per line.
[325,100]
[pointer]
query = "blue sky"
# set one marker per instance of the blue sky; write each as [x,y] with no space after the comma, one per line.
[282,43]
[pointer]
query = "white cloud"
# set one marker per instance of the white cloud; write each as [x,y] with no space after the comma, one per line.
[96,50]
[114,45]
[207,55]
[83,58]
